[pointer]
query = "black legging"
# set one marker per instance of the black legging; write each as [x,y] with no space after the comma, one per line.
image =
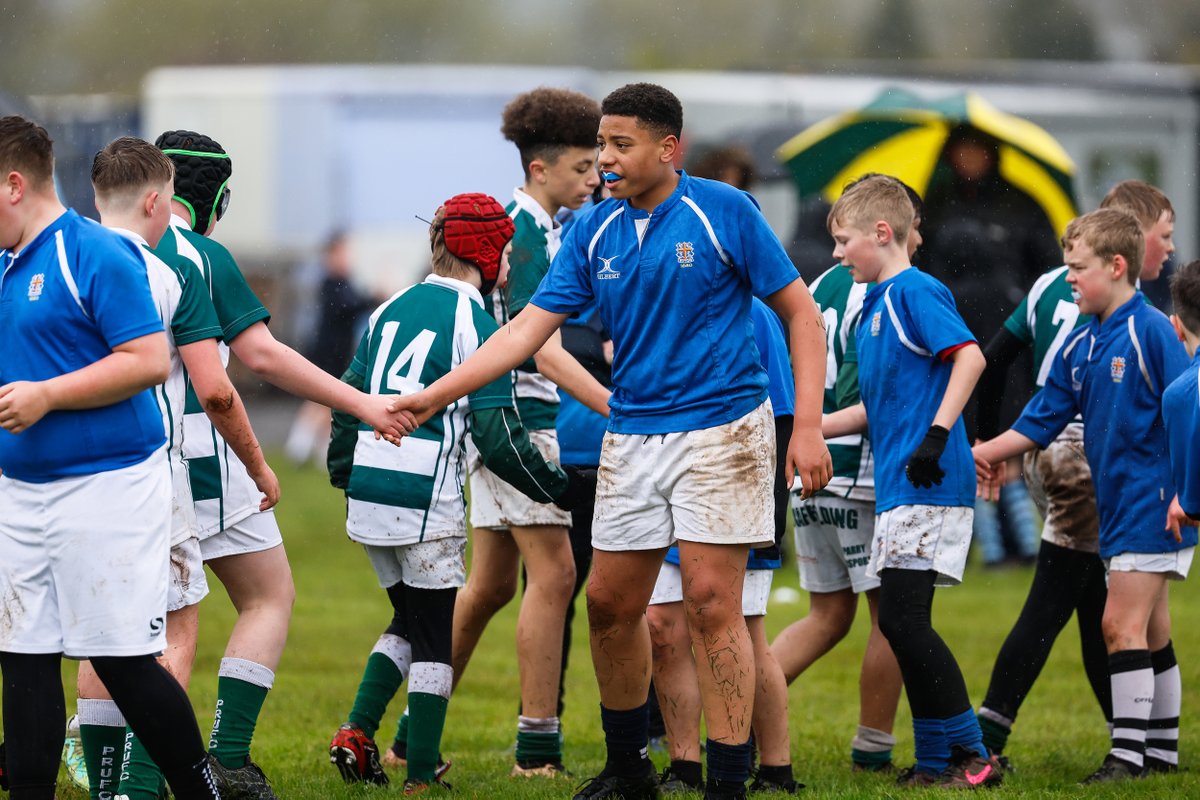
[932,679]
[424,617]
[1065,582]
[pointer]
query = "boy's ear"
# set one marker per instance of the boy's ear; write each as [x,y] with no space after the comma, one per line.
[148,201]
[537,170]
[1180,331]
[1120,267]
[669,145]
[884,235]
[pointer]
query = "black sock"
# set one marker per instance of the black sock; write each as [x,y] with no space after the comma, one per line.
[34,723]
[626,736]
[689,772]
[781,774]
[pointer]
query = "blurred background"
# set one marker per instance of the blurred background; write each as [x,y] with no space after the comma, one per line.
[353,118]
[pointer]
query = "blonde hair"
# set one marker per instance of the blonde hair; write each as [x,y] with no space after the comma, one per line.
[1139,198]
[874,198]
[1110,232]
[446,263]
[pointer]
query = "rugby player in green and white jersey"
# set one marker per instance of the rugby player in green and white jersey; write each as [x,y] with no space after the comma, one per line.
[1069,577]
[555,133]
[834,528]
[133,181]
[240,542]
[406,505]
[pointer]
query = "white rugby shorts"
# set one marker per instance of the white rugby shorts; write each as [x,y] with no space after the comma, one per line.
[714,485]
[1175,564]
[497,505]
[84,562]
[252,534]
[432,564]
[920,537]
[756,589]
[189,584]
[833,543]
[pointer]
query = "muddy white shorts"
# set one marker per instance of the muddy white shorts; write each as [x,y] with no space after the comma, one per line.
[1175,564]
[497,505]
[833,543]
[756,589]
[923,538]
[714,485]
[189,584]
[432,564]
[253,534]
[84,562]
[1060,483]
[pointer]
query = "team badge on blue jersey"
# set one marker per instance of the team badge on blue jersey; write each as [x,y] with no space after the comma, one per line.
[1117,369]
[36,284]
[685,253]
[607,272]
[875,321]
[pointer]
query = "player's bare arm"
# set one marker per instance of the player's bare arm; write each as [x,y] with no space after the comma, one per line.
[224,407]
[969,363]
[282,366]
[990,458]
[131,367]
[845,421]
[1177,518]
[510,346]
[569,375]
[807,455]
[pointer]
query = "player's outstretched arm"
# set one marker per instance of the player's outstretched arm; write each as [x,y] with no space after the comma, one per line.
[568,374]
[282,366]
[807,455]
[132,367]
[845,421]
[513,344]
[224,407]
[990,457]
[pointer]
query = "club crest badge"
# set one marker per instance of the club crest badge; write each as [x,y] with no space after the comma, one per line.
[1117,369]
[36,284]
[685,253]
[875,321]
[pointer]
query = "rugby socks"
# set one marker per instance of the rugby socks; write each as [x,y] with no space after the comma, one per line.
[963,730]
[1162,736]
[141,778]
[871,748]
[428,696]
[102,732]
[930,745]
[626,736]
[1133,698]
[400,745]
[996,729]
[539,741]
[728,768]
[386,669]
[242,688]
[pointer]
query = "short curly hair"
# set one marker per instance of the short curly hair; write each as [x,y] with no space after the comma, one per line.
[545,122]
[655,108]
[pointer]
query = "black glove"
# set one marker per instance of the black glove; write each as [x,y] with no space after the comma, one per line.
[923,470]
[581,488]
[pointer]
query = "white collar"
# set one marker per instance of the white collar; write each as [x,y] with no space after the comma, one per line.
[462,287]
[526,202]
[128,234]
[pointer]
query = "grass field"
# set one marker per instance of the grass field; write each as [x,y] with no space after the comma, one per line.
[340,611]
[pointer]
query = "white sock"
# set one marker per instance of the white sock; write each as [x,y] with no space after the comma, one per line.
[1133,696]
[1162,737]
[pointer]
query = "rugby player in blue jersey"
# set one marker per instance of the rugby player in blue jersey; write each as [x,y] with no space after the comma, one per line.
[671,263]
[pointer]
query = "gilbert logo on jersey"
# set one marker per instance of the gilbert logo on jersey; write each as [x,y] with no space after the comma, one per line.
[607,272]
[36,284]
[1117,369]
[685,253]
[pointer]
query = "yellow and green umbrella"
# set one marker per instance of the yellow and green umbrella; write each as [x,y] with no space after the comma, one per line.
[903,135]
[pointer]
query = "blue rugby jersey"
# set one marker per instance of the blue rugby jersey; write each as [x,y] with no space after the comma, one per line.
[771,340]
[73,294]
[1181,414]
[1114,373]
[908,325]
[676,301]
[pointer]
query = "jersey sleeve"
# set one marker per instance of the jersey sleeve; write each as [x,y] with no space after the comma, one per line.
[762,260]
[1018,322]
[1166,358]
[506,450]
[238,307]
[1181,414]
[115,290]
[567,287]
[930,313]
[195,318]
[1051,409]
[343,436]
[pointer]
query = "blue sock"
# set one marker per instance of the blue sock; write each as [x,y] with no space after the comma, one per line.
[963,730]
[932,748]
[626,735]
[728,762]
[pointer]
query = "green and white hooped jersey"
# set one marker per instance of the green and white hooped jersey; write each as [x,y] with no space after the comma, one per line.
[223,491]
[535,241]
[188,316]
[840,301]
[1044,318]
[413,493]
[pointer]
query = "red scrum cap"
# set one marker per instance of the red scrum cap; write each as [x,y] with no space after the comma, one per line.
[477,229]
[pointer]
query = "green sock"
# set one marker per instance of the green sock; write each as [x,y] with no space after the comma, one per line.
[102,734]
[428,718]
[380,681]
[242,688]
[539,741]
[995,734]
[141,779]
[400,745]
